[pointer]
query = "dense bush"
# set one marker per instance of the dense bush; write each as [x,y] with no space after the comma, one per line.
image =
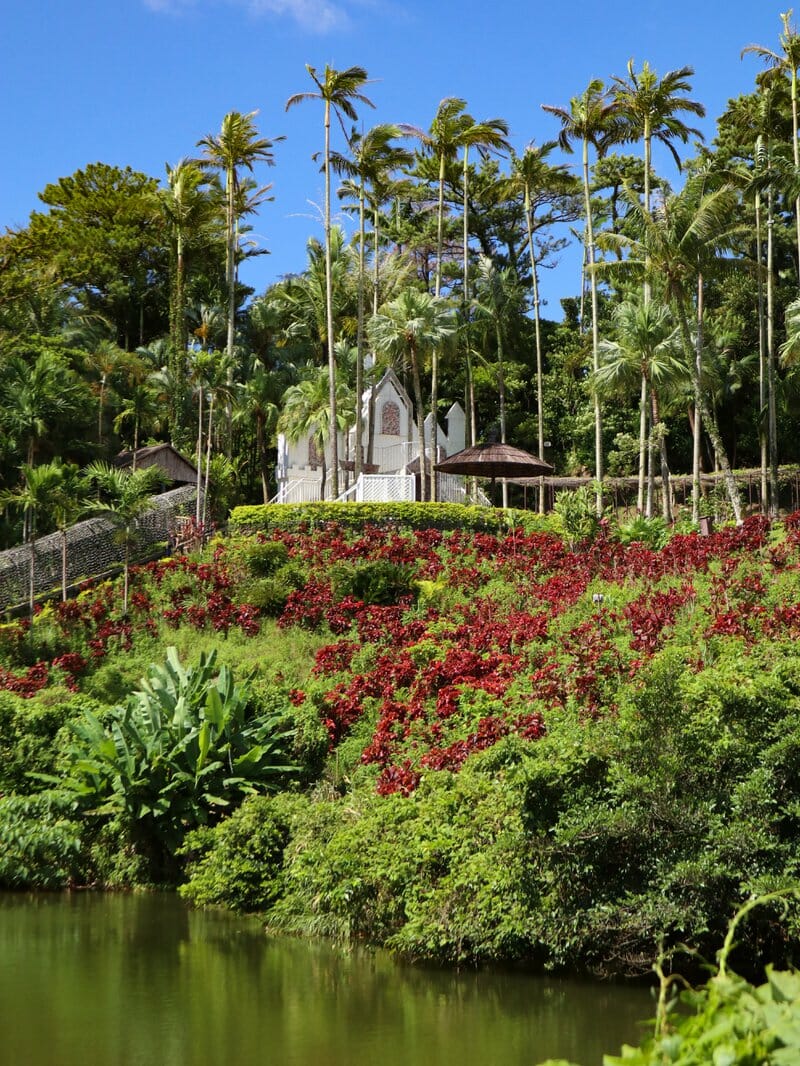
[379,582]
[264,558]
[183,747]
[33,734]
[286,517]
[39,841]
[240,864]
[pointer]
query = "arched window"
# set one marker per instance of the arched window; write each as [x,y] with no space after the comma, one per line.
[390,419]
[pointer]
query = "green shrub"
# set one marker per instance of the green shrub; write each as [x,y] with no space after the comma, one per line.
[39,841]
[269,594]
[33,735]
[652,532]
[264,559]
[273,517]
[577,510]
[183,747]
[239,863]
[379,582]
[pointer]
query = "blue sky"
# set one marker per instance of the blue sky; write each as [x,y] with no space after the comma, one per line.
[138,82]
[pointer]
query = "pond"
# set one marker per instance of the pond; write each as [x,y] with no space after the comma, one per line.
[143,980]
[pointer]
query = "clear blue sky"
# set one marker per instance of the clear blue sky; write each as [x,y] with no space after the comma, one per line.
[138,82]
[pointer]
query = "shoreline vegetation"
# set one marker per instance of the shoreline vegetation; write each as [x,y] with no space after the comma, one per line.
[574,747]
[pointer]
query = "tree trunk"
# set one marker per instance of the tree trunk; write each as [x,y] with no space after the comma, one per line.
[598,419]
[334,437]
[420,420]
[709,421]
[771,408]
[762,362]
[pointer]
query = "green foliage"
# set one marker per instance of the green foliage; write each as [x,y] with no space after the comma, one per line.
[440,874]
[270,518]
[33,735]
[378,582]
[182,748]
[264,559]
[239,863]
[269,594]
[577,510]
[652,532]
[39,841]
[731,1022]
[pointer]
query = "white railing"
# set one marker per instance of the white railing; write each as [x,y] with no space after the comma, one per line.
[301,490]
[380,488]
[451,488]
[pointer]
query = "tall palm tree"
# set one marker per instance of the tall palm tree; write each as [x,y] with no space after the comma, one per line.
[188,209]
[237,146]
[339,90]
[306,413]
[593,119]
[787,61]
[373,156]
[538,182]
[678,246]
[68,506]
[407,327]
[497,296]
[645,354]
[35,498]
[452,130]
[126,496]
[650,107]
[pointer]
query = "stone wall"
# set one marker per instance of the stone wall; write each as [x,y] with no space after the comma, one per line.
[92,549]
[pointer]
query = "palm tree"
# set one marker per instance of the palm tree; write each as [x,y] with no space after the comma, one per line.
[645,354]
[787,61]
[338,89]
[141,405]
[106,359]
[497,295]
[235,147]
[68,506]
[306,412]
[454,129]
[591,118]
[538,182]
[36,395]
[259,403]
[127,496]
[407,327]
[649,105]
[373,157]
[678,246]
[188,209]
[34,498]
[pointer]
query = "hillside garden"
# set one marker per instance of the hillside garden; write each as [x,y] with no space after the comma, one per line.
[468,745]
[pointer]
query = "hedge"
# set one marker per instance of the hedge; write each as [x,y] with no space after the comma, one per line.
[289,517]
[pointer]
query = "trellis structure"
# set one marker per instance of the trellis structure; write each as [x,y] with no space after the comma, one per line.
[92,549]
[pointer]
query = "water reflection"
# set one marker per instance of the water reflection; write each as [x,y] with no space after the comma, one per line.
[143,981]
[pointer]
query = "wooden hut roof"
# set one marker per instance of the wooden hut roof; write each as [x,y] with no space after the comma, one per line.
[177,469]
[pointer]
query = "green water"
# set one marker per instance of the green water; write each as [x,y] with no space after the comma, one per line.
[94,980]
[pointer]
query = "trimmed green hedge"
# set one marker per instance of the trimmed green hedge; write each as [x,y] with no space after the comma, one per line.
[288,517]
